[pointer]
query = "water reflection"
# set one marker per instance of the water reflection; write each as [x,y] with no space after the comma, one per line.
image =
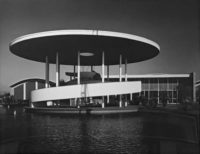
[121,133]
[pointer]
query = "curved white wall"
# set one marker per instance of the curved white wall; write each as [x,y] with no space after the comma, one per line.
[85,90]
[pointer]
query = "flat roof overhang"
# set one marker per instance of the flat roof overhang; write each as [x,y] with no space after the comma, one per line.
[68,42]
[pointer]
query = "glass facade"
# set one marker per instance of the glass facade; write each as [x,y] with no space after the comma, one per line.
[171,88]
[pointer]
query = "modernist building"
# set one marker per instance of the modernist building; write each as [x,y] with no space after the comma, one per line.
[21,91]
[85,48]
[90,48]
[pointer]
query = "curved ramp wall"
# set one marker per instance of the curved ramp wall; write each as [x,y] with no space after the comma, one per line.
[85,90]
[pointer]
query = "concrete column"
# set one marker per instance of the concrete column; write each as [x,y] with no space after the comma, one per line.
[103,66]
[36,85]
[91,68]
[131,97]
[46,72]
[24,91]
[103,62]
[108,99]
[126,75]
[126,79]
[120,68]
[57,70]
[78,69]
[120,78]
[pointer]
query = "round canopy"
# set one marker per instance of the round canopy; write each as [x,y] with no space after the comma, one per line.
[90,43]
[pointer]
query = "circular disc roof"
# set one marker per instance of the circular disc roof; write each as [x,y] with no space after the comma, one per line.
[68,42]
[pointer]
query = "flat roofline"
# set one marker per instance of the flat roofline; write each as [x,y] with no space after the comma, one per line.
[153,76]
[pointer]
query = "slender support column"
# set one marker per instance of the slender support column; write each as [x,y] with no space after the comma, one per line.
[108,98]
[120,78]
[24,91]
[46,72]
[126,79]
[78,69]
[120,68]
[131,97]
[57,70]
[103,61]
[103,67]
[126,75]
[36,85]
[91,68]
[74,71]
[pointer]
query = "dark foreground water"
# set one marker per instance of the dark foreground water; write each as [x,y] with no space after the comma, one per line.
[119,133]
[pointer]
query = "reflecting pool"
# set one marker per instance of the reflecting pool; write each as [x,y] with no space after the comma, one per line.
[22,132]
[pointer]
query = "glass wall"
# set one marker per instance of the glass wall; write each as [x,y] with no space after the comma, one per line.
[160,88]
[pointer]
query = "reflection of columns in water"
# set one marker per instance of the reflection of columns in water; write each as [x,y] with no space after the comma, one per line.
[83,129]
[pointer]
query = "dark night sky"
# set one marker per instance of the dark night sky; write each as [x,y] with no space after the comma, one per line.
[173,24]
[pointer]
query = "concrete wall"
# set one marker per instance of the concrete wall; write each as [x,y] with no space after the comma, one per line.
[85,90]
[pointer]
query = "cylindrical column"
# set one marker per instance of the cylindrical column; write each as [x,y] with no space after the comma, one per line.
[120,68]
[103,61]
[126,75]
[36,85]
[91,68]
[120,78]
[78,69]
[126,79]
[108,99]
[57,70]
[46,72]
[24,91]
